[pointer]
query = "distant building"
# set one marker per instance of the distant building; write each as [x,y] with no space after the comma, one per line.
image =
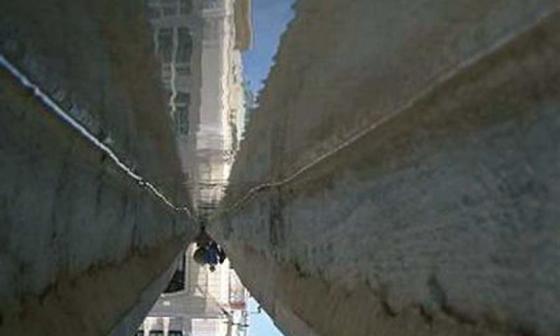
[207,303]
[177,39]
[199,45]
[176,31]
[226,29]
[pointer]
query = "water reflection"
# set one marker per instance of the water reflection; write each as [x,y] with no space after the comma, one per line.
[198,44]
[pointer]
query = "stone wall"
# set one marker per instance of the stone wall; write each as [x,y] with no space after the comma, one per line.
[84,249]
[400,175]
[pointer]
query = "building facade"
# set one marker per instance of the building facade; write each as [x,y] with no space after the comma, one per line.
[202,77]
[199,45]
[222,99]
[207,303]
[177,41]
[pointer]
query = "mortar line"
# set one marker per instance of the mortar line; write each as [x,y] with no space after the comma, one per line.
[439,79]
[85,133]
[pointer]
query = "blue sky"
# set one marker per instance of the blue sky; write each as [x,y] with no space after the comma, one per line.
[260,324]
[270,18]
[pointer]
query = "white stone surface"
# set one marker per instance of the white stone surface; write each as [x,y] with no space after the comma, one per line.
[415,146]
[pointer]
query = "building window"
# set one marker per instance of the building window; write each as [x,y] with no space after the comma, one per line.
[182,102]
[182,99]
[153,13]
[183,69]
[169,11]
[211,4]
[185,44]
[169,7]
[156,333]
[185,6]
[182,120]
[177,282]
[165,42]
[175,333]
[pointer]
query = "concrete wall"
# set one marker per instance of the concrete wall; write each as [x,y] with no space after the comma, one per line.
[416,150]
[83,248]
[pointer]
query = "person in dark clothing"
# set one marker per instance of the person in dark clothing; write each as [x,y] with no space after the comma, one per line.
[208,251]
[212,254]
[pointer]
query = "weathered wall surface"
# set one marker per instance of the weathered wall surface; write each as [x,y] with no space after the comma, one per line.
[437,214]
[83,248]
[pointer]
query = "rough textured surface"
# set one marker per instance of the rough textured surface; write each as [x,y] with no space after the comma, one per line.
[442,218]
[83,249]
[96,60]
